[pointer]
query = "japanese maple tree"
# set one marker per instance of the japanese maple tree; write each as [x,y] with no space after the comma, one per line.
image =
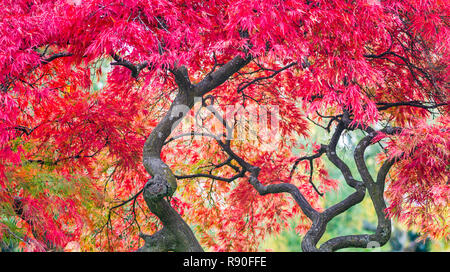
[116,131]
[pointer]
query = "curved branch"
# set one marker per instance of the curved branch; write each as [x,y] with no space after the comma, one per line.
[415,104]
[55,56]
[242,86]
[303,203]
[376,190]
[311,158]
[202,175]
[163,182]
[318,228]
[135,69]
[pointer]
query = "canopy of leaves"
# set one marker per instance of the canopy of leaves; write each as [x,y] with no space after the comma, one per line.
[84,82]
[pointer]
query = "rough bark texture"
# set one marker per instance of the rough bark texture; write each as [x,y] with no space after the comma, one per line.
[176,235]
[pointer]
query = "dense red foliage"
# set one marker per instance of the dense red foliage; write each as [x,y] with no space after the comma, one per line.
[71,148]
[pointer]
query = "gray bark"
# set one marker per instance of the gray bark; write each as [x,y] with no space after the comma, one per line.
[176,234]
